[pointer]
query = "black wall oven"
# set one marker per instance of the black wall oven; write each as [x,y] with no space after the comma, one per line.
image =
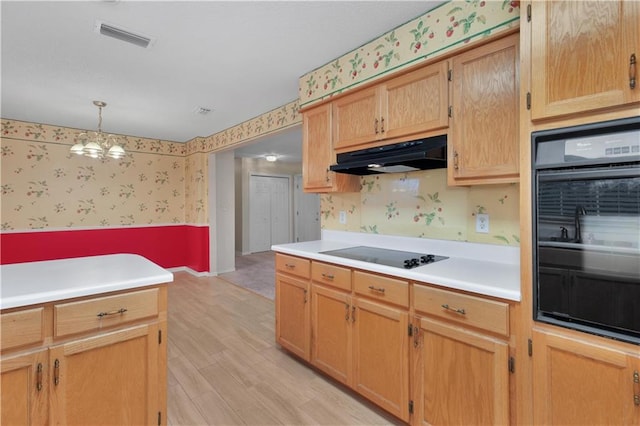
[586,228]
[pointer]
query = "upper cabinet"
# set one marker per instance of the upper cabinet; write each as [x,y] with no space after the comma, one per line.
[318,154]
[413,103]
[484,138]
[583,56]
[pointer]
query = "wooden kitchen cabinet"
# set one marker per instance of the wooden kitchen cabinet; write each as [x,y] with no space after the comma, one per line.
[24,392]
[381,355]
[91,360]
[360,333]
[410,104]
[483,146]
[461,358]
[582,381]
[380,341]
[581,56]
[107,379]
[332,333]
[318,154]
[293,305]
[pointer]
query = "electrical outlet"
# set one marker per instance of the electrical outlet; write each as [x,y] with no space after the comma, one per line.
[482,223]
[343,217]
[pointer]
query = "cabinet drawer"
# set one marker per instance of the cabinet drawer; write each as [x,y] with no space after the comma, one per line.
[22,328]
[473,311]
[101,312]
[382,288]
[332,275]
[293,265]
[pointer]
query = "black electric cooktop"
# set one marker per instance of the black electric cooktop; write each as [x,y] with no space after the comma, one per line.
[381,256]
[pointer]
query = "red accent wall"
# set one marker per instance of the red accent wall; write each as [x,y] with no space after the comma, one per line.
[168,246]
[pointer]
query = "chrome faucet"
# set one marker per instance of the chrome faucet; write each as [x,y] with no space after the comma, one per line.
[580,211]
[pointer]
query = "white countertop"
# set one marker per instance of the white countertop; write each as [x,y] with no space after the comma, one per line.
[23,284]
[484,269]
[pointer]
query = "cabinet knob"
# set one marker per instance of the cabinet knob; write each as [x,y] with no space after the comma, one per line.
[632,71]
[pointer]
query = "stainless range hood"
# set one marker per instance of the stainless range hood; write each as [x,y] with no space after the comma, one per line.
[422,154]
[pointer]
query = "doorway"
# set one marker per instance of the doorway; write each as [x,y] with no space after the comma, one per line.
[269,207]
[306,208]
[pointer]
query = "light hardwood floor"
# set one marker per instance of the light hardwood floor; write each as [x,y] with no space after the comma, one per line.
[225,368]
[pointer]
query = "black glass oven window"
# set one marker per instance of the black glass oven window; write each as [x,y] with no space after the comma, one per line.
[598,197]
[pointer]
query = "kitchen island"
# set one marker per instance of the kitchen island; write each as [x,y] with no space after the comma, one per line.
[411,340]
[84,341]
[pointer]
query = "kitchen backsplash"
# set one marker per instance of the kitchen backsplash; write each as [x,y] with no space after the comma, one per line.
[420,204]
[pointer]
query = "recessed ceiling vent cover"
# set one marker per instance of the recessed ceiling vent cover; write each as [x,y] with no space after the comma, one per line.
[122,34]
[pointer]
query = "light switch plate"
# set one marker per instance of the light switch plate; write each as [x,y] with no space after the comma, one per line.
[482,223]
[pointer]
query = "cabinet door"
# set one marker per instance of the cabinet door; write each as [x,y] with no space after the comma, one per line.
[24,389]
[483,147]
[331,319]
[318,154]
[107,379]
[577,382]
[581,54]
[464,378]
[356,118]
[381,355]
[416,102]
[293,315]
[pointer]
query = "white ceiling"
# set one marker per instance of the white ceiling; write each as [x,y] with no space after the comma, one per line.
[238,58]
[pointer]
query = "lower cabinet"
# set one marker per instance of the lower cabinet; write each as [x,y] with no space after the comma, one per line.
[381,355]
[461,358]
[24,395]
[104,372]
[462,376]
[584,382]
[423,354]
[332,332]
[97,360]
[293,315]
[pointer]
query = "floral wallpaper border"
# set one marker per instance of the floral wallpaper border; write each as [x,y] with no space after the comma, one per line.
[432,34]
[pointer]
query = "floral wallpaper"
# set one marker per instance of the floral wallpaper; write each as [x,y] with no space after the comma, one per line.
[268,123]
[444,28]
[420,204]
[45,186]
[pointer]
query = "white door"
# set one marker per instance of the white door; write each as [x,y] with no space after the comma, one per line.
[306,213]
[269,219]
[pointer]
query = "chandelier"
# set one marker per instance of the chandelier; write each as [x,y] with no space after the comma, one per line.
[98,144]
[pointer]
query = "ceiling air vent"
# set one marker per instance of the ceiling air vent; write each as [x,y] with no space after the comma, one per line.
[121,34]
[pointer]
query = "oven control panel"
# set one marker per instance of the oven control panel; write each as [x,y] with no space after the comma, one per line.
[614,145]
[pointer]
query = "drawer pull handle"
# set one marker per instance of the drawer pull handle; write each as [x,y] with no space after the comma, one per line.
[346,314]
[378,289]
[39,377]
[56,372]
[353,313]
[116,312]
[289,265]
[328,276]
[452,309]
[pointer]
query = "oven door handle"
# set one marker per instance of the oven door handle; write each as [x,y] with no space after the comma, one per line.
[618,172]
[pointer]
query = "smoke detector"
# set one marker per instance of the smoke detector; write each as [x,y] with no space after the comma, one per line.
[123,34]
